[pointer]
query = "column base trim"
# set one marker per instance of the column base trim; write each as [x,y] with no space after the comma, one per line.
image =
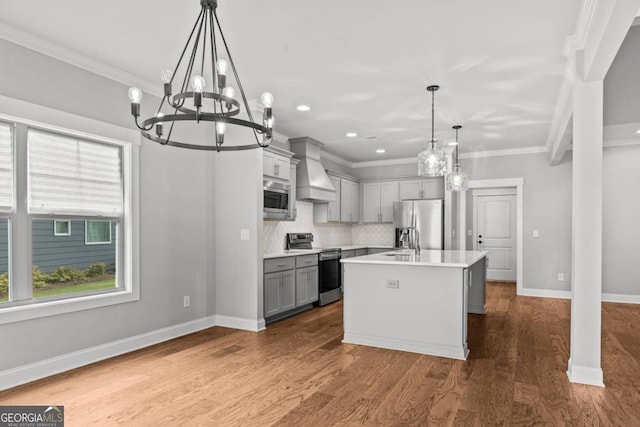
[585,375]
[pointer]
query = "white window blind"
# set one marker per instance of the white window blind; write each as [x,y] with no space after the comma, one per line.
[6,169]
[75,177]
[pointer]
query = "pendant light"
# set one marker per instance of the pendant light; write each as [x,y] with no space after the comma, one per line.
[432,161]
[457,180]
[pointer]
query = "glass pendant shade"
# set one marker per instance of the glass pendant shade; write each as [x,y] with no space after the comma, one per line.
[457,180]
[432,161]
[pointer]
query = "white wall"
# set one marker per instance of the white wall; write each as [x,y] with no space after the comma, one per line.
[173,207]
[621,227]
[238,206]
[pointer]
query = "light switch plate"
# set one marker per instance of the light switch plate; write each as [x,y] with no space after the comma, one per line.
[244,234]
[536,233]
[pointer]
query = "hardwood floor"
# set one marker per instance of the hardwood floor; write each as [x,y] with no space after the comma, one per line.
[299,373]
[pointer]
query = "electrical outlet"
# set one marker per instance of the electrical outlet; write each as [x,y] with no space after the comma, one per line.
[536,233]
[393,284]
[187,300]
[244,234]
[561,277]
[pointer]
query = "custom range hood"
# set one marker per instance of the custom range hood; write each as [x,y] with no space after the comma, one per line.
[312,182]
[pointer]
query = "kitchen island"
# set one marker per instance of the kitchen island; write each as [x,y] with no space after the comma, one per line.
[418,303]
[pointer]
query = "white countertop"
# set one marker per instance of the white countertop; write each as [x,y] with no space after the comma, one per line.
[428,258]
[291,252]
[295,252]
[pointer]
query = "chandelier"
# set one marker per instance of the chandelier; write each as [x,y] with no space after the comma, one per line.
[457,180]
[432,161]
[202,68]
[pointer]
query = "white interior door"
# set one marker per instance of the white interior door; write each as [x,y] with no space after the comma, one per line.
[495,232]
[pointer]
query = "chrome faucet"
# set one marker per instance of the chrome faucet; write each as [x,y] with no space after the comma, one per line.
[414,239]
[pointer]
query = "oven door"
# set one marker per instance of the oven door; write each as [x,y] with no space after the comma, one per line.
[329,275]
[276,200]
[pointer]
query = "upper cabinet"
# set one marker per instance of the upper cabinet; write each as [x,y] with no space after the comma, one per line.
[377,201]
[348,200]
[424,188]
[276,166]
[344,208]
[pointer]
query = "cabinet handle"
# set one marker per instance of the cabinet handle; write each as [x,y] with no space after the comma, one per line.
[281,265]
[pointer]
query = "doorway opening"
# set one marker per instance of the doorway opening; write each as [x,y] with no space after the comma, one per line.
[492,220]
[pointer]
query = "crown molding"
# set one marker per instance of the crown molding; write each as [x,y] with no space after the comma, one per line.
[390,162]
[507,152]
[72,57]
[336,159]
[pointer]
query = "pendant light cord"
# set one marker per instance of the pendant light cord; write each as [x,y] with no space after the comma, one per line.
[433,109]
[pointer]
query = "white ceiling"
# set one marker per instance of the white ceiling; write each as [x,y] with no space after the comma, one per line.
[362,65]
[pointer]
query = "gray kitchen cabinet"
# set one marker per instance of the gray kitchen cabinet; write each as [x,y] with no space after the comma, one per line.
[289,283]
[345,206]
[348,201]
[426,188]
[306,285]
[276,166]
[279,292]
[348,254]
[377,201]
[371,251]
[293,210]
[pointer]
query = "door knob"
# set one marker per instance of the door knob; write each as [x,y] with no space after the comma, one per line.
[479,242]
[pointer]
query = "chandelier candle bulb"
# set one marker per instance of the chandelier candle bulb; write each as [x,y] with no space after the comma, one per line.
[228,92]
[135,96]
[159,125]
[221,127]
[221,68]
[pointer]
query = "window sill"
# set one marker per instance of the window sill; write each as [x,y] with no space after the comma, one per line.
[62,306]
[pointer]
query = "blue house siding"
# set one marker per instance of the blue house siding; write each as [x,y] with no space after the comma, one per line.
[4,245]
[50,251]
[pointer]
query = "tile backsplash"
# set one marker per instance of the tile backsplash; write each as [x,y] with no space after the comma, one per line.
[372,234]
[325,235]
[274,232]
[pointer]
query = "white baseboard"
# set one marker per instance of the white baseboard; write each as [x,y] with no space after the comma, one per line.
[240,323]
[622,298]
[45,368]
[432,349]
[585,375]
[545,293]
[552,293]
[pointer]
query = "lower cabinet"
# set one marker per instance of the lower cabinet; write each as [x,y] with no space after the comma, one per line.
[306,286]
[289,283]
[279,292]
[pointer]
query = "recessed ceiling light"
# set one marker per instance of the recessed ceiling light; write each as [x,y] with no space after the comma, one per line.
[351,134]
[380,150]
[638,131]
[303,108]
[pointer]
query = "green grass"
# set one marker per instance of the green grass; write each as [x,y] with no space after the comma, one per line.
[80,287]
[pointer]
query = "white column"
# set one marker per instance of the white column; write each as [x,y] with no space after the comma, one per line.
[584,362]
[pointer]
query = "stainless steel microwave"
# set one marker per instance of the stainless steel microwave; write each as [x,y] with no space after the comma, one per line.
[276,200]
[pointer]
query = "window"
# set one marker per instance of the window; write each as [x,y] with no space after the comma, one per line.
[81,187]
[97,232]
[62,227]
[6,205]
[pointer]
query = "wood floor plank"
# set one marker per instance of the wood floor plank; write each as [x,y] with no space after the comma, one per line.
[299,373]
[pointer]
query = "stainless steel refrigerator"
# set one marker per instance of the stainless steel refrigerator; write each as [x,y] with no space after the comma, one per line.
[427,216]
